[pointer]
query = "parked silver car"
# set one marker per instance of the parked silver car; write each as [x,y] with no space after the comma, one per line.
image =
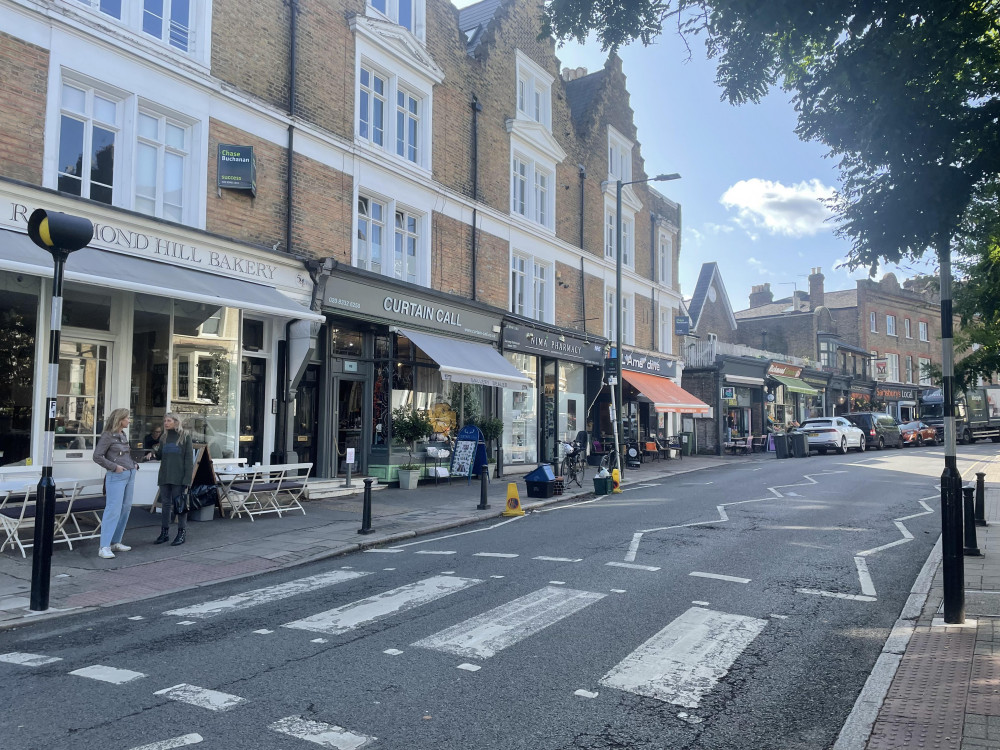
[832,433]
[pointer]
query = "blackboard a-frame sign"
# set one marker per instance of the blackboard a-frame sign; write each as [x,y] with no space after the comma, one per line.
[469,456]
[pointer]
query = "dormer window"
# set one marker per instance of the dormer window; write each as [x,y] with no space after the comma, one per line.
[619,156]
[534,91]
[406,13]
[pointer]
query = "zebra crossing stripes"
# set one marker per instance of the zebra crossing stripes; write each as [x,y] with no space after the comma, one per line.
[483,636]
[319,733]
[686,659]
[28,660]
[175,742]
[108,674]
[349,616]
[201,697]
[247,599]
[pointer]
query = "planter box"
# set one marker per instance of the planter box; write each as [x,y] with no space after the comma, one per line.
[408,479]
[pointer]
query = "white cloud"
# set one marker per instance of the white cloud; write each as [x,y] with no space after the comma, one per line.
[792,210]
[759,265]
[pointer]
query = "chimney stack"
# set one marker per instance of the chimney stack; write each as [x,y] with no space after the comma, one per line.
[816,288]
[760,294]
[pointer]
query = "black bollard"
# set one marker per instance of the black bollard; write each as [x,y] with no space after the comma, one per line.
[971,548]
[981,499]
[483,480]
[366,515]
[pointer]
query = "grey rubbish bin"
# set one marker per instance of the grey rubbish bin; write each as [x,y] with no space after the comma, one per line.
[781,446]
[800,444]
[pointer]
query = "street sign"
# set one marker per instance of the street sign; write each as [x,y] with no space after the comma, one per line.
[612,380]
[611,366]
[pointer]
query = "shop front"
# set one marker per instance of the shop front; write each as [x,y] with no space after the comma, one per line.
[898,400]
[741,401]
[790,398]
[155,317]
[564,370]
[838,394]
[390,345]
[817,405]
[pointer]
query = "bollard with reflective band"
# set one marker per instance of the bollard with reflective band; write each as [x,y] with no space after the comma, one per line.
[981,499]
[971,545]
[366,515]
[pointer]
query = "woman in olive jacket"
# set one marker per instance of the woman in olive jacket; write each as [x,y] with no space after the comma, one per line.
[176,454]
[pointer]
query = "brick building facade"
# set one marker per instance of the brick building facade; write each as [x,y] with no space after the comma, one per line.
[434,156]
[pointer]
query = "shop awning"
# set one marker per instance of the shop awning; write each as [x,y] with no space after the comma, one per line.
[665,394]
[744,379]
[467,361]
[120,271]
[795,385]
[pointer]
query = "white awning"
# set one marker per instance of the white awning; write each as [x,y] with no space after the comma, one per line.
[120,271]
[468,362]
[744,380]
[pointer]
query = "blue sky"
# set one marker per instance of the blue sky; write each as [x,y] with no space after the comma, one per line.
[751,190]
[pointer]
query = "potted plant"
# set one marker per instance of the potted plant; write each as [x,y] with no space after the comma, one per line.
[408,426]
[492,429]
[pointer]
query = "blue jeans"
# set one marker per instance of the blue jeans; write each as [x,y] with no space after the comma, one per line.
[117,506]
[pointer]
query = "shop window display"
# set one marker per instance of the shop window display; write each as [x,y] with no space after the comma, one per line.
[520,414]
[18,324]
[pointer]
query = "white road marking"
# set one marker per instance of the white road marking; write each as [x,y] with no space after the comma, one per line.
[837,595]
[388,568]
[496,554]
[632,566]
[780,617]
[816,528]
[266,595]
[137,617]
[617,591]
[585,694]
[318,640]
[867,587]
[352,615]
[558,583]
[686,659]
[483,636]
[435,552]
[496,576]
[469,667]
[700,604]
[108,674]
[543,558]
[447,572]
[392,651]
[385,551]
[719,577]
[182,741]
[320,733]
[186,622]
[263,631]
[213,700]
[401,547]
[28,660]
[633,548]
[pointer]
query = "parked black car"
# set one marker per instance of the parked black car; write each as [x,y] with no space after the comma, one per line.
[881,430]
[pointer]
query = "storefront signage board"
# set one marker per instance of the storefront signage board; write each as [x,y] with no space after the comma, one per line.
[895,394]
[785,370]
[469,455]
[237,168]
[531,340]
[651,363]
[361,298]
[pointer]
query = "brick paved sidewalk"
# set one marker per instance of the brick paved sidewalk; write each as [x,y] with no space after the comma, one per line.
[227,549]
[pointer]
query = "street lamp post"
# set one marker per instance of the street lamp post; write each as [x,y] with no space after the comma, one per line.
[60,234]
[620,425]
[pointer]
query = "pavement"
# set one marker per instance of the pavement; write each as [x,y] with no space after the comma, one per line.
[935,686]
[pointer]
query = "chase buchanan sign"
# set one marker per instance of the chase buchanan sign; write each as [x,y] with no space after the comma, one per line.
[365,300]
[528,339]
[134,241]
[237,169]
[651,363]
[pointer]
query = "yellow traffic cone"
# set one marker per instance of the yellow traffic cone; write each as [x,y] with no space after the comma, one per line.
[513,502]
[616,481]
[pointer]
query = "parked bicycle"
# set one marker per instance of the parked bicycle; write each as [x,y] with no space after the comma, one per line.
[573,463]
[610,461]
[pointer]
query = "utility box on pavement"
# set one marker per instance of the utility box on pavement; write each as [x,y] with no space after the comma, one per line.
[687,443]
[541,482]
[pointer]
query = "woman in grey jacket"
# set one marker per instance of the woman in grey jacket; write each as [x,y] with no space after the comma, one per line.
[176,454]
[113,453]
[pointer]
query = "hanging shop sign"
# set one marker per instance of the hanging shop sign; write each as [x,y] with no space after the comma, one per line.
[370,300]
[651,363]
[881,368]
[237,168]
[530,340]
[785,371]
[682,325]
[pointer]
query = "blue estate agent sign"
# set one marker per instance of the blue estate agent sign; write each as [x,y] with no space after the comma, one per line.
[237,168]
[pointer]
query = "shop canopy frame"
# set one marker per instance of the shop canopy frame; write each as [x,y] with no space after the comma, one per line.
[795,385]
[463,361]
[666,395]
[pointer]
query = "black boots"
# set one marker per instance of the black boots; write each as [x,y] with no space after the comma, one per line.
[179,539]
[163,537]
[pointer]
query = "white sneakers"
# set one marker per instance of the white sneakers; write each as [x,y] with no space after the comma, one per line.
[105,552]
[120,547]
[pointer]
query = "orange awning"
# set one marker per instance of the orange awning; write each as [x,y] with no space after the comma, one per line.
[665,394]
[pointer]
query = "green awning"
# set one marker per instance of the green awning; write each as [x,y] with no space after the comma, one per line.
[795,385]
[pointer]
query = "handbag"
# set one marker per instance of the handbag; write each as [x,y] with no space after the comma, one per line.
[195,498]
[181,502]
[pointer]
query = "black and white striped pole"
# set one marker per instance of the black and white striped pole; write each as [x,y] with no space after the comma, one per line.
[60,234]
[952,549]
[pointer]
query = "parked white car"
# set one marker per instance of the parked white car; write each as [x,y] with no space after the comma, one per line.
[832,433]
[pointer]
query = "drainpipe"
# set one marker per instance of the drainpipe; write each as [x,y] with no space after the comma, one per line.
[653,255]
[583,273]
[476,109]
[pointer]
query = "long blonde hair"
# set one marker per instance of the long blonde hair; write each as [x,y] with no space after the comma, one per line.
[115,419]
[177,421]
